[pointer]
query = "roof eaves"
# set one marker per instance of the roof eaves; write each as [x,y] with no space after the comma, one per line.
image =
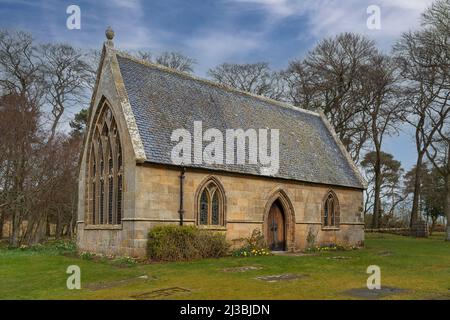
[343,150]
[130,120]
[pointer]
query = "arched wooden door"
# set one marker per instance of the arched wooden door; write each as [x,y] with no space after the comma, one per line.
[276,235]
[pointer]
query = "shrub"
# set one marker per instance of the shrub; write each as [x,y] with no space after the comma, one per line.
[65,247]
[255,245]
[182,243]
[51,247]
[87,255]
[124,262]
[212,245]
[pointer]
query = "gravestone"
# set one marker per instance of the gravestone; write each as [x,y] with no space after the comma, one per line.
[160,293]
[364,293]
[419,229]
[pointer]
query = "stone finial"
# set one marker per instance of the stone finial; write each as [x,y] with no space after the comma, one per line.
[109,32]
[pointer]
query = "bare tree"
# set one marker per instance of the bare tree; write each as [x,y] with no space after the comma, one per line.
[256,78]
[437,20]
[300,89]
[38,164]
[92,58]
[174,60]
[379,102]
[20,70]
[21,84]
[19,143]
[328,79]
[439,155]
[424,58]
[67,76]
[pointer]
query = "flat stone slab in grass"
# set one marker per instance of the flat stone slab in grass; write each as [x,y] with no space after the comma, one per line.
[283,277]
[339,258]
[241,269]
[161,293]
[115,283]
[385,253]
[439,297]
[365,293]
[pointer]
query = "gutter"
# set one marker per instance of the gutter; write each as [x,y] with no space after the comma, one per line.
[181,211]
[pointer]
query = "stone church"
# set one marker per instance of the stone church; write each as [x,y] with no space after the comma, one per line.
[128,182]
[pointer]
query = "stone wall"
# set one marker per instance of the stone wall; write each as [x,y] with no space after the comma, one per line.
[247,201]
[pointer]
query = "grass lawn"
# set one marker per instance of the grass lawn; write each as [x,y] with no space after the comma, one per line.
[420,266]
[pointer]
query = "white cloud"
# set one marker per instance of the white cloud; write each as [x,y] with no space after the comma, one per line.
[280,8]
[211,48]
[126,17]
[328,17]
[128,4]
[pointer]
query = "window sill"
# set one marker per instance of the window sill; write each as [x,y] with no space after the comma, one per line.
[103,227]
[212,228]
[330,228]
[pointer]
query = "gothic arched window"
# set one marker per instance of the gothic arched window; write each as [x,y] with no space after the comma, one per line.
[211,205]
[105,171]
[330,216]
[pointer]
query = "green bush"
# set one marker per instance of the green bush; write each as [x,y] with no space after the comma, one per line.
[183,243]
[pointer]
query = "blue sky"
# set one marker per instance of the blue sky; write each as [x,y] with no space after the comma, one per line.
[219,31]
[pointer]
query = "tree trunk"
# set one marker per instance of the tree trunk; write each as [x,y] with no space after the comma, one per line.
[447,204]
[39,234]
[2,223]
[417,185]
[27,236]
[59,226]
[433,225]
[14,240]
[377,190]
[48,228]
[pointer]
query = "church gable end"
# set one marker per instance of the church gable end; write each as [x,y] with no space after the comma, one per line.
[104,174]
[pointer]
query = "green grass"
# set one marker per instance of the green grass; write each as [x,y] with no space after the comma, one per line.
[422,266]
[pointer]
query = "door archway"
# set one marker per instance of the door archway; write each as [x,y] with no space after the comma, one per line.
[278,205]
[276,224]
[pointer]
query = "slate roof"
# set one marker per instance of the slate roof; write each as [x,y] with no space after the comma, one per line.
[163,100]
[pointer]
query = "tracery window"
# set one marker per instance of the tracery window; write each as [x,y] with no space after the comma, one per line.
[330,216]
[211,205]
[105,174]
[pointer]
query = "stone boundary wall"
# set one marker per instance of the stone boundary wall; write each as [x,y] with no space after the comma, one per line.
[419,229]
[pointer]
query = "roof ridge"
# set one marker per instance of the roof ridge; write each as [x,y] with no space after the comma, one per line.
[149,64]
